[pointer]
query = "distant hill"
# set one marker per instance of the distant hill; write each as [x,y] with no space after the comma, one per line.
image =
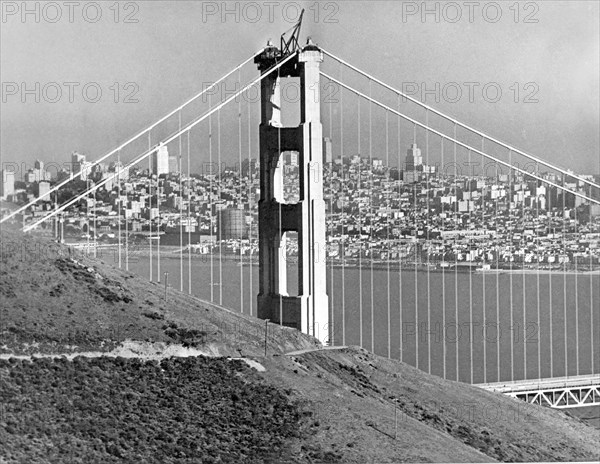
[340,405]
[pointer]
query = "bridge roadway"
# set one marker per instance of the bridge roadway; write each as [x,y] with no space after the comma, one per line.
[557,392]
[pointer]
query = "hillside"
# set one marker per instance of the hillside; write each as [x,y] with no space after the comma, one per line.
[314,406]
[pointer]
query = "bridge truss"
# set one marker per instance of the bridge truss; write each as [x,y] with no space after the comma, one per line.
[558,393]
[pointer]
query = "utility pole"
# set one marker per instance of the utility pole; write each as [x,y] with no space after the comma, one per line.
[166,284]
[266,332]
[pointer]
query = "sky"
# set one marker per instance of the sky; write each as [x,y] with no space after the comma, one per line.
[160,53]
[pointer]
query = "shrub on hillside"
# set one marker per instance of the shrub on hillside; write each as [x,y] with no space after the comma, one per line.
[114,409]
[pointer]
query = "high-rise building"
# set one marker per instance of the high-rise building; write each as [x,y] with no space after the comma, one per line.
[7,183]
[248,167]
[79,166]
[413,158]
[173,164]
[290,158]
[160,161]
[327,153]
[43,189]
[39,174]
[116,166]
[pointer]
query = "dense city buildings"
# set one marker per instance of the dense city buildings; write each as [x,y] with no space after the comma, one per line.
[375,213]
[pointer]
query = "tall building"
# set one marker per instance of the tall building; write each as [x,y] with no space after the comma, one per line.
[249,166]
[413,158]
[7,183]
[290,158]
[79,166]
[43,189]
[327,153]
[160,161]
[118,166]
[173,164]
[39,174]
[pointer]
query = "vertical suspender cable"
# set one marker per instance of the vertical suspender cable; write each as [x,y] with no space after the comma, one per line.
[159,222]
[87,216]
[400,267]
[591,306]
[387,231]
[416,255]
[371,219]
[511,257]
[471,258]
[551,350]
[428,242]
[497,332]
[456,251]
[443,258]
[150,201]
[250,195]
[189,214]
[210,206]
[119,204]
[522,245]
[524,304]
[332,323]
[360,248]
[485,252]
[220,216]
[95,228]
[126,230]
[241,239]
[181,210]
[575,258]
[344,228]
[563,235]
[537,257]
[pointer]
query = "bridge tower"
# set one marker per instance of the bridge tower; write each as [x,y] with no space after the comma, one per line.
[309,311]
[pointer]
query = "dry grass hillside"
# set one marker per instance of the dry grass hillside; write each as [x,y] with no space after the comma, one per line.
[341,405]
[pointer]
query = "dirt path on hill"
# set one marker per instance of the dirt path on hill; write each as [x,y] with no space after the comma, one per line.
[145,351]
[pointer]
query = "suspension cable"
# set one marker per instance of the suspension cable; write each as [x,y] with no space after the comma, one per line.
[170,138]
[465,126]
[464,145]
[135,137]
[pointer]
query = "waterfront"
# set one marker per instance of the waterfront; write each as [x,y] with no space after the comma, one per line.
[514,345]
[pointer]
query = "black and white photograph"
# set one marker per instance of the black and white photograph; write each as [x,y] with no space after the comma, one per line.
[299,232]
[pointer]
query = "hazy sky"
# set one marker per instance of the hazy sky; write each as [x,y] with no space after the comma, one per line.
[173,48]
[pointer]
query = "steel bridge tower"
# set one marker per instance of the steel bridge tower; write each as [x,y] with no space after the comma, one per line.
[309,311]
